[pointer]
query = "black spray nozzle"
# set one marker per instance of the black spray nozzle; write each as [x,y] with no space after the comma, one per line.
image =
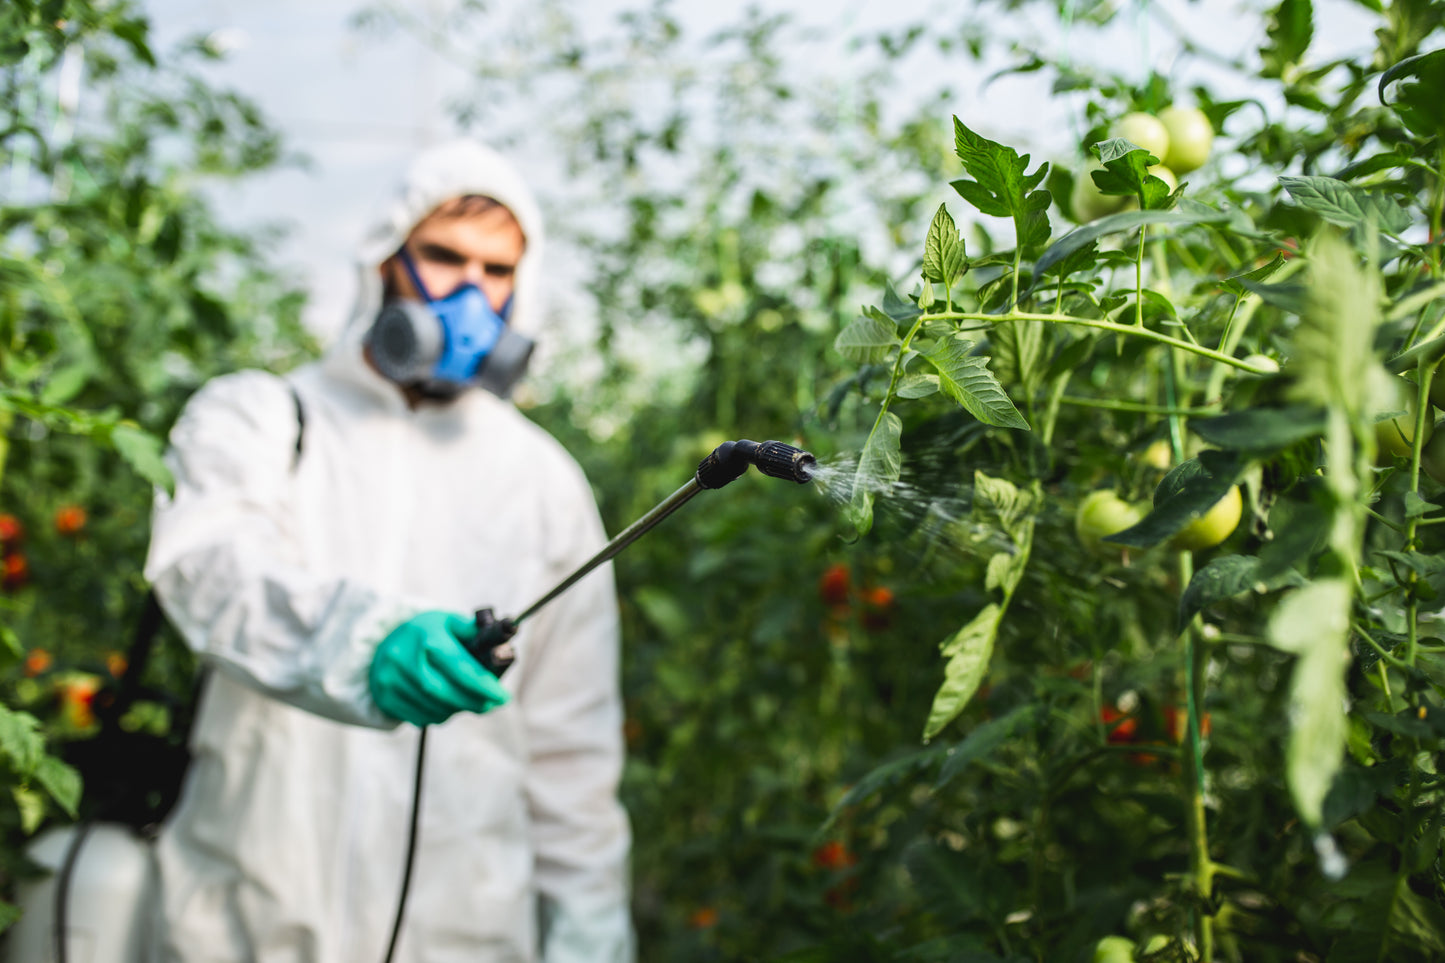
[729,460]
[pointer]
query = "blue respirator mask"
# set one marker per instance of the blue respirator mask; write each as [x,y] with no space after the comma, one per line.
[442,346]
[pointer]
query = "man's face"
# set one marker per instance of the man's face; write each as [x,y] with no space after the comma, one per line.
[449,251]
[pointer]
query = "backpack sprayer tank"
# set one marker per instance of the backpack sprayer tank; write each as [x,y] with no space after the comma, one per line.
[99,895]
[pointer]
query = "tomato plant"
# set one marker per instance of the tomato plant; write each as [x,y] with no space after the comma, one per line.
[1313,578]
[123,292]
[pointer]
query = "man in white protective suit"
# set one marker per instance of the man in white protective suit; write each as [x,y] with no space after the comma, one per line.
[331,534]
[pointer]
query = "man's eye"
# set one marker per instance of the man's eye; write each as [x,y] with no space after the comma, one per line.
[441,255]
[499,270]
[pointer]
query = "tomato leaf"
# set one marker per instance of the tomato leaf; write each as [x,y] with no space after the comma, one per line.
[914,386]
[31,805]
[943,251]
[903,311]
[142,451]
[1431,568]
[1224,578]
[20,740]
[883,777]
[1389,921]
[1001,502]
[1186,493]
[1419,103]
[868,339]
[1258,275]
[1290,30]
[1313,623]
[985,738]
[878,469]
[1346,206]
[1001,186]
[968,652]
[1417,507]
[1261,429]
[1221,579]
[1126,172]
[1118,224]
[62,781]
[1300,530]
[66,382]
[1290,297]
[966,379]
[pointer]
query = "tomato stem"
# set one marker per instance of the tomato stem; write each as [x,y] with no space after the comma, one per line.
[1126,329]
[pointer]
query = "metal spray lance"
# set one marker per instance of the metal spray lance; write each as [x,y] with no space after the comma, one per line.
[727,462]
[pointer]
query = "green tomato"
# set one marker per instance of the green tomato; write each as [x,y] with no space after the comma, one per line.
[1159,455]
[1087,202]
[1114,949]
[1432,458]
[1146,131]
[1190,137]
[1214,526]
[1101,514]
[1262,361]
[1156,943]
[1395,436]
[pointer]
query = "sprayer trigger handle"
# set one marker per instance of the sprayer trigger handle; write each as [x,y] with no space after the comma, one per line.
[493,646]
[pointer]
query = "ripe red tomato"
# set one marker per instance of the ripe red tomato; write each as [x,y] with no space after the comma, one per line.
[37,661]
[1123,729]
[1176,722]
[70,519]
[834,585]
[703,918]
[11,531]
[833,855]
[877,608]
[14,571]
[77,698]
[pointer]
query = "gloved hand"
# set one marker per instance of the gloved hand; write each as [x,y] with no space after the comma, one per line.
[422,674]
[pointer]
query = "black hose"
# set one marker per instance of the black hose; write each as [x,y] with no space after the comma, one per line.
[62,887]
[411,837]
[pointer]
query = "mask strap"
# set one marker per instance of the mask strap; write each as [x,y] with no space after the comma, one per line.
[405,256]
[410,266]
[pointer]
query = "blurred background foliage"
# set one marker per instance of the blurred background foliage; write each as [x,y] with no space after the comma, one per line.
[121,291]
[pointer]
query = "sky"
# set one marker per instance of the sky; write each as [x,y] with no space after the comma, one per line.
[357,106]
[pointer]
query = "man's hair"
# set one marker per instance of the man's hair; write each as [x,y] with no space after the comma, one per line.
[467,205]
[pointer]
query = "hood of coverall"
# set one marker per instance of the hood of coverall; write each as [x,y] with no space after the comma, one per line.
[436,175]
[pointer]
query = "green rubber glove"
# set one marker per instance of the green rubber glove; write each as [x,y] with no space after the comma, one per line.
[422,674]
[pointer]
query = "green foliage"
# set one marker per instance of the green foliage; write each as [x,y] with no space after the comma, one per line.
[1230,750]
[122,292]
[1229,754]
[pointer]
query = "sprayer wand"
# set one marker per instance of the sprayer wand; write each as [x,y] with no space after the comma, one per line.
[727,462]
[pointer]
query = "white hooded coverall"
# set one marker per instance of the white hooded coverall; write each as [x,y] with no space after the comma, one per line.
[289,840]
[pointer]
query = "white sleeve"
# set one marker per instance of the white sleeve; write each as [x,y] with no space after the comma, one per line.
[226,565]
[572,704]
